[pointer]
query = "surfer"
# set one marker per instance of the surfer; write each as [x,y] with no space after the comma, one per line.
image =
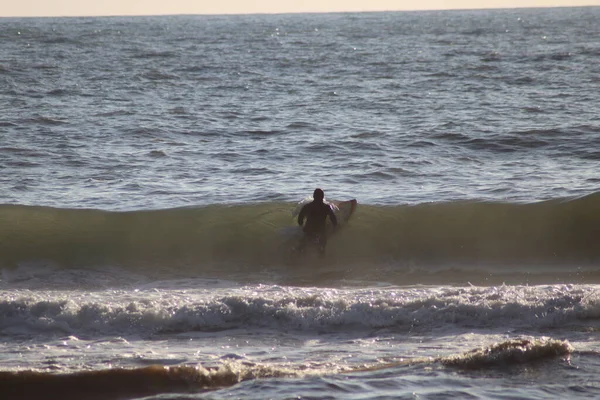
[316,213]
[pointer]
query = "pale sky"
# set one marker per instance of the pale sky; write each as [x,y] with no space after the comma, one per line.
[26,8]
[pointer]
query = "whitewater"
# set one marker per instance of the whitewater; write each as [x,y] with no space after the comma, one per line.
[151,168]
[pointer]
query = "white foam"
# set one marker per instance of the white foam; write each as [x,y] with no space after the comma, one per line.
[167,307]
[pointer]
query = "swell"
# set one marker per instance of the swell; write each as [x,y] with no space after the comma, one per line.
[248,237]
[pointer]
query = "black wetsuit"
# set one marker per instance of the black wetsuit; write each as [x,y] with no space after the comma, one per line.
[316,213]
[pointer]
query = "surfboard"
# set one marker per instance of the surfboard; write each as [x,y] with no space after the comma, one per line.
[343,210]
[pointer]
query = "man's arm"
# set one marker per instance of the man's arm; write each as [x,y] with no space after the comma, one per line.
[301,215]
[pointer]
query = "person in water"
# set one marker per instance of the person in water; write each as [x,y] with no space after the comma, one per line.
[316,213]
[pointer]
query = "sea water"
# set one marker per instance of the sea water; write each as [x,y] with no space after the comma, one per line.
[150,167]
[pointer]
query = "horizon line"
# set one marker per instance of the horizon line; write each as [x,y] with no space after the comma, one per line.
[299,12]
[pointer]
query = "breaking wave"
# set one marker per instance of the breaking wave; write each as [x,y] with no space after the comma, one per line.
[149,312]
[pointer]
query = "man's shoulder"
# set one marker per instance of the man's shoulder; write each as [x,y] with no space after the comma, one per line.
[306,206]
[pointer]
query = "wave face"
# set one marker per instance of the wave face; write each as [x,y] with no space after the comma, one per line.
[249,237]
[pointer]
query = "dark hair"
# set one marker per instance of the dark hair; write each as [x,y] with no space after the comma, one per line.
[318,194]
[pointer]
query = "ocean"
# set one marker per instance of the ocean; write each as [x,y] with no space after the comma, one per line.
[150,169]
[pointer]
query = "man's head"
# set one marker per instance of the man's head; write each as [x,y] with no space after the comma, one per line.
[318,195]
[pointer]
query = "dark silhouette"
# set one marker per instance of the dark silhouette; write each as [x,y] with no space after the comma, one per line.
[316,213]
